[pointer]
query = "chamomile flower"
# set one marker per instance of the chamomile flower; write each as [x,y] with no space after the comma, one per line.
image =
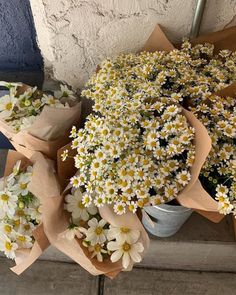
[123,234]
[96,233]
[7,104]
[74,204]
[7,246]
[97,251]
[127,251]
[8,204]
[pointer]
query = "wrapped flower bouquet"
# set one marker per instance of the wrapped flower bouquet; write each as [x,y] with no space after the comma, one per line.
[21,231]
[36,120]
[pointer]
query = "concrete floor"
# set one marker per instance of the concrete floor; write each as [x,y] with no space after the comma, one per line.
[48,278]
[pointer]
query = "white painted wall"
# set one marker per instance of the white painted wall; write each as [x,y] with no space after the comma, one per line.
[74,35]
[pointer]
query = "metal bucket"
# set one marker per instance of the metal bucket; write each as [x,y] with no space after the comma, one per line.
[167,219]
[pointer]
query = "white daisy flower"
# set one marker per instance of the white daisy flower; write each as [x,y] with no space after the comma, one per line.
[96,233]
[7,229]
[77,208]
[127,251]
[21,187]
[123,234]
[8,204]
[64,92]
[7,104]
[119,208]
[183,177]
[97,251]
[23,241]
[7,246]
[225,207]
[35,211]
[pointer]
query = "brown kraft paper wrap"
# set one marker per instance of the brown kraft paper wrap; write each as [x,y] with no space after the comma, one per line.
[25,257]
[49,132]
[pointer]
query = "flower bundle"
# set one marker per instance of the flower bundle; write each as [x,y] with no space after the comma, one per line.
[218,175]
[37,120]
[19,211]
[138,159]
[103,240]
[23,104]
[22,235]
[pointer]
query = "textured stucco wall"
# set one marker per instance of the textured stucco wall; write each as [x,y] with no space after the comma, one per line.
[18,47]
[74,35]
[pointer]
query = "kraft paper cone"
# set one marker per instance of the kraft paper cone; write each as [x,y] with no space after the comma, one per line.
[25,257]
[49,132]
[193,195]
[158,41]
[55,219]
[48,148]
[224,39]
[227,91]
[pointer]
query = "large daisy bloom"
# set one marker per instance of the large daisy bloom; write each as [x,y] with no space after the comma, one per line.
[97,251]
[8,204]
[77,208]
[7,246]
[127,251]
[123,234]
[7,104]
[21,187]
[96,233]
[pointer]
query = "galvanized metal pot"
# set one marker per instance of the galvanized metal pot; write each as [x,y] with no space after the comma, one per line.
[167,219]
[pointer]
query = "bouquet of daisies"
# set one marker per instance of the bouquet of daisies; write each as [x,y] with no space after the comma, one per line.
[21,231]
[36,120]
[140,146]
[218,176]
[111,242]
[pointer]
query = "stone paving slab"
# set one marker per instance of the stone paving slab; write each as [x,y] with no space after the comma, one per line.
[159,282]
[47,278]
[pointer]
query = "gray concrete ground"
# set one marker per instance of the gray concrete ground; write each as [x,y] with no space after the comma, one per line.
[48,278]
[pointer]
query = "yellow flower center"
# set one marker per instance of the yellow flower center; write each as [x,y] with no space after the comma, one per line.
[184,177]
[7,228]
[8,106]
[97,248]
[20,213]
[8,246]
[17,222]
[124,230]
[126,247]
[99,230]
[80,205]
[26,226]
[21,238]
[23,186]
[5,197]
